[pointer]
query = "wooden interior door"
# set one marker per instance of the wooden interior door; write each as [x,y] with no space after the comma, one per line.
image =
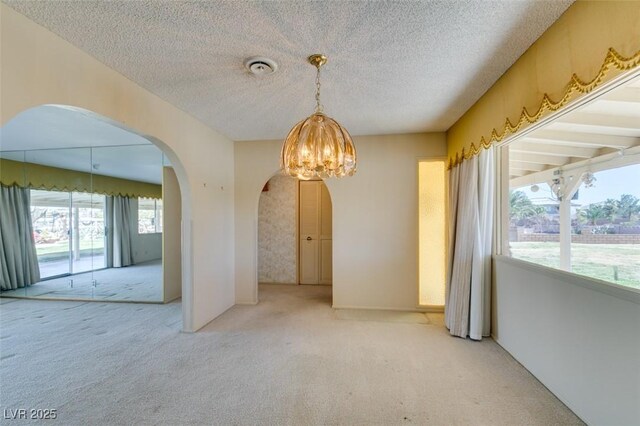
[315,233]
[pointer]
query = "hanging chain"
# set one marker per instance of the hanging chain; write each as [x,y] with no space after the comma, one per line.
[318,105]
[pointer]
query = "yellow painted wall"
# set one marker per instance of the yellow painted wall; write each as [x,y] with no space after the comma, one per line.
[577,43]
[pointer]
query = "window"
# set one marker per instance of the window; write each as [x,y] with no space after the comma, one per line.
[432,232]
[573,197]
[603,224]
[149,216]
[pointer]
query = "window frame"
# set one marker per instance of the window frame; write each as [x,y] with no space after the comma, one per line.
[501,217]
[156,223]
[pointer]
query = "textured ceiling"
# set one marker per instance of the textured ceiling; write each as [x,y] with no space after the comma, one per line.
[394,67]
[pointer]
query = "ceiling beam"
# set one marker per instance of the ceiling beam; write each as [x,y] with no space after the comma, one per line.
[602,123]
[623,94]
[594,165]
[520,165]
[527,157]
[555,137]
[605,150]
[531,147]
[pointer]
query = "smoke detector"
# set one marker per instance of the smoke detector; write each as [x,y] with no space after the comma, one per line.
[260,66]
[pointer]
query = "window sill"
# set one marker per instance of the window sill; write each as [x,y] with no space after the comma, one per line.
[611,289]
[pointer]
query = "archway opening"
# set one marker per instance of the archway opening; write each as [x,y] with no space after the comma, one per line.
[95,209]
[295,233]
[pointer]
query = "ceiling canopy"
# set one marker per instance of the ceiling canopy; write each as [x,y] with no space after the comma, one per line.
[605,128]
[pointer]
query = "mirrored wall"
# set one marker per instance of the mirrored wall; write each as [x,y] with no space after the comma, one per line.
[82,223]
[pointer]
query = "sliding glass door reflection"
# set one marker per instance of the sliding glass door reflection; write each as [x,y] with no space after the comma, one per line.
[87,235]
[96,222]
[50,216]
[68,230]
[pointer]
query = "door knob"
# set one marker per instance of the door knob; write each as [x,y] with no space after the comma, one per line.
[309,238]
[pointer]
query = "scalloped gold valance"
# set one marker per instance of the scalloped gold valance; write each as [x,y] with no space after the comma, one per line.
[37,176]
[613,60]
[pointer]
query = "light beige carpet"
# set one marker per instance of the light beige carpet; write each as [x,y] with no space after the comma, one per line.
[381,316]
[286,361]
[139,283]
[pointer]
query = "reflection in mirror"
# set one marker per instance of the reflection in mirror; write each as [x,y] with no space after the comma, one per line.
[17,266]
[131,179]
[83,222]
[59,180]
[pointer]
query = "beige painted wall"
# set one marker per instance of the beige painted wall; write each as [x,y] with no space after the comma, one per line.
[575,43]
[375,219]
[171,238]
[578,336]
[40,68]
[277,231]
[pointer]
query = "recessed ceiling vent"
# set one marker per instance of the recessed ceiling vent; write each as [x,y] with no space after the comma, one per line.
[260,66]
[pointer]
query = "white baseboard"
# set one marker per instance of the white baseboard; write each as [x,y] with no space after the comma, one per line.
[381,308]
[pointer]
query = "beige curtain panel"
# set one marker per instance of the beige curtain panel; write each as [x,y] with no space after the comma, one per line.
[122,248]
[468,288]
[18,259]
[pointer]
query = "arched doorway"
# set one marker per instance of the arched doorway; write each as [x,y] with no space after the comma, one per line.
[294,232]
[90,182]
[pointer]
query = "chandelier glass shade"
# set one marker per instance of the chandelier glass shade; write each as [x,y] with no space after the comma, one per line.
[318,146]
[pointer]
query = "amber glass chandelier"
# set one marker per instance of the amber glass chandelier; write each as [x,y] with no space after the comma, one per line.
[318,146]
